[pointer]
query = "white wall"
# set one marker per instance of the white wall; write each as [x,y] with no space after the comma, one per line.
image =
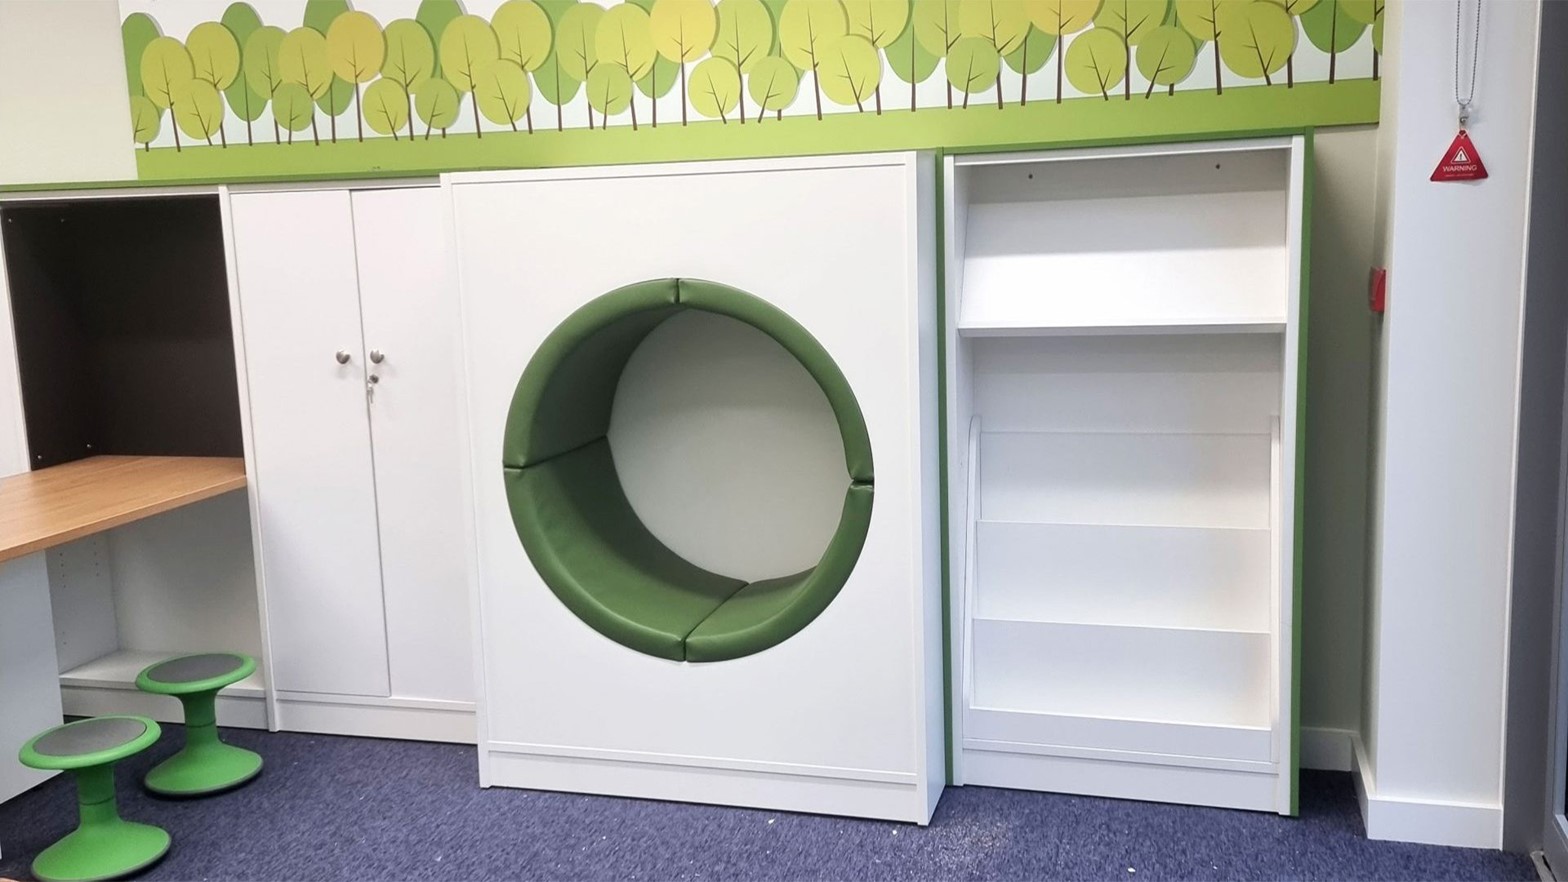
[63,83]
[1444,473]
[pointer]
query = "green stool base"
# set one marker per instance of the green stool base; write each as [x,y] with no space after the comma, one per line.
[105,849]
[200,769]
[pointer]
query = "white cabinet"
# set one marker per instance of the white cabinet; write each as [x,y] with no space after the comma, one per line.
[348,330]
[1122,383]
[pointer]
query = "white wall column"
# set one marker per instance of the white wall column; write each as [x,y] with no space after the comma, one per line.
[1431,762]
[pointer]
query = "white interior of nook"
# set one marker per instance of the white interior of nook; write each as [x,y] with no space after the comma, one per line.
[1123,329]
[727,448]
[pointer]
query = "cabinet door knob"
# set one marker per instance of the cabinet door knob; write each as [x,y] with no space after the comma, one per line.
[376,356]
[342,356]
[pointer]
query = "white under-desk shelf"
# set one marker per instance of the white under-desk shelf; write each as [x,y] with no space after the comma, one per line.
[118,670]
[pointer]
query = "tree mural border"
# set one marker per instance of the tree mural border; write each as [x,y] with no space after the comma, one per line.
[341,93]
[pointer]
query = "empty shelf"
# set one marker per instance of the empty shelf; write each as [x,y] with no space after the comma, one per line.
[118,670]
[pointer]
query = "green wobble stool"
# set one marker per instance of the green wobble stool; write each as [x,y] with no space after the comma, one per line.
[103,845]
[205,764]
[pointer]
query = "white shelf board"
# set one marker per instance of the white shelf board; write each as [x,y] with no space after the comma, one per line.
[118,670]
[1145,383]
[1044,731]
[1201,677]
[1264,325]
[1177,478]
[1215,578]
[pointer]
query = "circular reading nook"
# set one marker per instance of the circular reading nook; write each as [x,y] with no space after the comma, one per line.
[583,535]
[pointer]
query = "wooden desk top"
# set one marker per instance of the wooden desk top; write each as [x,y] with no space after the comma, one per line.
[53,506]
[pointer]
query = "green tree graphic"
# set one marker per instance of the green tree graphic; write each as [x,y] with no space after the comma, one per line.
[410,60]
[1295,9]
[609,90]
[773,86]
[503,92]
[972,65]
[1059,18]
[523,31]
[165,69]
[1202,20]
[1335,25]
[661,77]
[881,23]
[576,41]
[935,23]
[262,71]
[1263,36]
[357,48]
[715,88]
[436,102]
[1029,57]
[745,35]
[293,108]
[554,85]
[435,15]
[136,32]
[1096,62]
[385,107]
[1002,23]
[683,30]
[1166,57]
[910,61]
[805,28]
[851,70]
[215,59]
[319,16]
[243,101]
[1131,21]
[624,40]
[198,109]
[146,121]
[467,45]
[302,60]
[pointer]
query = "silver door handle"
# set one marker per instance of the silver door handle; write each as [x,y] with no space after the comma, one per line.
[342,356]
[376,356]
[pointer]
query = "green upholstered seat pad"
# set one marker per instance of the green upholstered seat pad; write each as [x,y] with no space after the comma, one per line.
[765,614]
[565,395]
[597,557]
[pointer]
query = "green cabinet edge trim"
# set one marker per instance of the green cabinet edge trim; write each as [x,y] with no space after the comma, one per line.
[577,526]
[1298,516]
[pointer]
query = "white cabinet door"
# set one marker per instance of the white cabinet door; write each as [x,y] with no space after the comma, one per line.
[314,479]
[410,319]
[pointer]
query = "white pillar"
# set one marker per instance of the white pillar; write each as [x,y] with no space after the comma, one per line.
[1431,763]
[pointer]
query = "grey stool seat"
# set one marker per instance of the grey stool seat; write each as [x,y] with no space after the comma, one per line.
[193,671]
[84,739]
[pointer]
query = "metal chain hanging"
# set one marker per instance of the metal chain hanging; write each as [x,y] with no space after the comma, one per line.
[1475,58]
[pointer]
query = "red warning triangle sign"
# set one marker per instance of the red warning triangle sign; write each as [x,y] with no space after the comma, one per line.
[1462,162]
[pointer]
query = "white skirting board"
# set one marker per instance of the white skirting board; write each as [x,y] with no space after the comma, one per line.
[406,718]
[1432,822]
[790,787]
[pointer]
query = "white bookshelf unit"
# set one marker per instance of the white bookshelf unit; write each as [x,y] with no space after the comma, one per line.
[1123,328]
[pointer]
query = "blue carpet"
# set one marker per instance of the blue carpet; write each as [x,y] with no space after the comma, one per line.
[353,808]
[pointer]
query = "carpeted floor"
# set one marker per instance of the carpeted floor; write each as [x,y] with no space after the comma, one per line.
[350,808]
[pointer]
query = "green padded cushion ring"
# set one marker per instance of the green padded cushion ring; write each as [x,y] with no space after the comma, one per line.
[578,527]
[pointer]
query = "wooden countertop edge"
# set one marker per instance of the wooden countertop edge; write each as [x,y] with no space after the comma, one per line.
[121,517]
